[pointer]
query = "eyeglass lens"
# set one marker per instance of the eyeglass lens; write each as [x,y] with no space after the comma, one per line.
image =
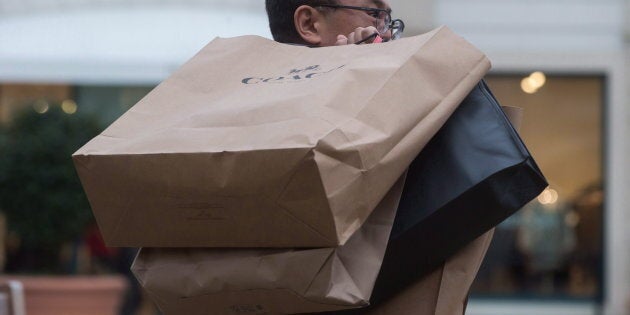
[383,21]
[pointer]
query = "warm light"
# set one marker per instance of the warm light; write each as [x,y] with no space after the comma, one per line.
[538,79]
[69,107]
[548,196]
[41,106]
[533,82]
[527,87]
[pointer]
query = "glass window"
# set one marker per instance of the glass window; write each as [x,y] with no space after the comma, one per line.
[109,102]
[14,97]
[553,246]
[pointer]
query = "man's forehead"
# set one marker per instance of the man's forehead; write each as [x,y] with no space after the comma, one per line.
[381,4]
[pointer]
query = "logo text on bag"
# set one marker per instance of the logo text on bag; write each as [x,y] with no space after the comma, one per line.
[294,75]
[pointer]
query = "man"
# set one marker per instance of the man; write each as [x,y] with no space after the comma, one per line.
[332,22]
[342,22]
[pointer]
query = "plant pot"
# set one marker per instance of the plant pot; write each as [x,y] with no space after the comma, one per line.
[71,295]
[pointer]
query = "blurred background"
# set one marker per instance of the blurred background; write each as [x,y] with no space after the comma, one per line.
[68,68]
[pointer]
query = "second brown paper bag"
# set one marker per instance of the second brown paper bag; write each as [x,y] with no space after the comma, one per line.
[270,281]
[443,291]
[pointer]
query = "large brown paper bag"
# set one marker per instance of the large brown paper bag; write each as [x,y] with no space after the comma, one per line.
[269,281]
[254,143]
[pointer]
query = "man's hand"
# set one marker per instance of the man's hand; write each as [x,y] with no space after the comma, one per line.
[359,34]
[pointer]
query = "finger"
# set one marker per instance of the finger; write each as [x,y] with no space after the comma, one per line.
[368,31]
[364,34]
[356,35]
[341,40]
[361,33]
[370,39]
[352,38]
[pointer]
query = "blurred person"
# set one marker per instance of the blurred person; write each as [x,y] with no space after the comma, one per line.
[332,22]
[546,238]
[102,258]
[119,260]
[132,298]
[586,266]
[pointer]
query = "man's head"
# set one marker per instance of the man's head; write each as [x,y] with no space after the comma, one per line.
[321,22]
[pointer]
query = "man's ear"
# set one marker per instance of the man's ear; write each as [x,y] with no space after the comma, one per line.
[308,24]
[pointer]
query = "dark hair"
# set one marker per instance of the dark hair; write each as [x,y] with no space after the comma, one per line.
[280,13]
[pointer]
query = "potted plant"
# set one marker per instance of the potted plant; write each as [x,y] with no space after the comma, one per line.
[40,192]
[45,206]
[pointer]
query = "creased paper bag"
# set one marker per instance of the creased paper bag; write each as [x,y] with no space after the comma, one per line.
[269,281]
[443,291]
[474,174]
[254,143]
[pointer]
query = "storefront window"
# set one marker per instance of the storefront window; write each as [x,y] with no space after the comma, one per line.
[106,102]
[109,102]
[553,246]
[16,97]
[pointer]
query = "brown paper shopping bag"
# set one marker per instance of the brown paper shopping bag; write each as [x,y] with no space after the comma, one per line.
[254,143]
[269,281]
[443,288]
[443,291]
[473,174]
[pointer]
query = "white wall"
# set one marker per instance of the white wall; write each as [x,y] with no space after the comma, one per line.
[113,42]
[562,26]
[418,15]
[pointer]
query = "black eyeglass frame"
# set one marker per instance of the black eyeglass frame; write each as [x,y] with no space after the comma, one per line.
[388,22]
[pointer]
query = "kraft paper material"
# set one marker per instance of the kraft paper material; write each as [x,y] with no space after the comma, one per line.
[270,281]
[254,143]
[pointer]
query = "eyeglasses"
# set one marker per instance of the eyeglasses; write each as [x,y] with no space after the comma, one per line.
[383,19]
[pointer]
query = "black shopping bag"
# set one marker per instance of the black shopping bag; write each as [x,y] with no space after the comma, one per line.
[472,175]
